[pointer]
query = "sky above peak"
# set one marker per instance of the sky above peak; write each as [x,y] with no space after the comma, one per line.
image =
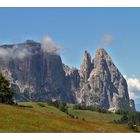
[75,30]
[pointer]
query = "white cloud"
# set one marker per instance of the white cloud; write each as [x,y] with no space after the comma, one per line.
[14,52]
[18,52]
[49,46]
[21,52]
[106,40]
[133,87]
[134,83]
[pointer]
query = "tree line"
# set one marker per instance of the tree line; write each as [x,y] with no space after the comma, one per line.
[91,108]
[59,104]
[132,119]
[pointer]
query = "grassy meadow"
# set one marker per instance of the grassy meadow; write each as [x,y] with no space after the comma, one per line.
[33,117]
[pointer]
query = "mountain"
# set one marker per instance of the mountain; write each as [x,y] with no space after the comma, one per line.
[39,75]
[104,85]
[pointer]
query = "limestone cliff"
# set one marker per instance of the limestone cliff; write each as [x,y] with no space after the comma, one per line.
[37,76]
[105,87]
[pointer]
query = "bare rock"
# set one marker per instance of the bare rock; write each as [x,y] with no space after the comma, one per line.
[106,87]
[86,67]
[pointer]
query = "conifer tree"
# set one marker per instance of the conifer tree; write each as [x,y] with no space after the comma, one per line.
[6,92]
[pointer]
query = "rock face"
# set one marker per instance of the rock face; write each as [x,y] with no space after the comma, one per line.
[37,75]
[86,67]
[72,81]
[105,86]
[72,77]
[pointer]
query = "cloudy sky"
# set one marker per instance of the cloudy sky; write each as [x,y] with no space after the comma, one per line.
[77,29]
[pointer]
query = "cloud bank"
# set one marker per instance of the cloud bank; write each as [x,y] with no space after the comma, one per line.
[133,87]
[106,40]
[14,52]
[20,52]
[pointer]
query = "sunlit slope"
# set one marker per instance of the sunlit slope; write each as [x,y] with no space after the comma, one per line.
[50,119]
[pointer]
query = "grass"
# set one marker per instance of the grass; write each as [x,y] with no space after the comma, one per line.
[50,119]
[50,109]
[93,116]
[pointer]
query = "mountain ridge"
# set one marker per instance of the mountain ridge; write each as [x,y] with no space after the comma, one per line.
[40,76]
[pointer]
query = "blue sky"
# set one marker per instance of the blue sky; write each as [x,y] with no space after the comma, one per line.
[79,29]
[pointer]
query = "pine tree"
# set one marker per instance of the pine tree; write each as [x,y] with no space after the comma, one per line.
[6,92]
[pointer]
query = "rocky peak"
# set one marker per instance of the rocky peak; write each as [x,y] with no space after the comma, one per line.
[102,53]
[101,56]
[101,61]
[86,67]
[106,87]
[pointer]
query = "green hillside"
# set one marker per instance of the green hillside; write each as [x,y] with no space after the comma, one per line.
[40,117]
[94,116]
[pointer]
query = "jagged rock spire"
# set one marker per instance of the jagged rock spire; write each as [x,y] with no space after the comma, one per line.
[86,66]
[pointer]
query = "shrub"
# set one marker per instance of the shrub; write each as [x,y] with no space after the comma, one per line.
[130,125]
[41,105]
[76,117]
[133,127]
[26,106]
[72,116]
[124,119]
[121,112]
[115,121]
[136,129]
[63,107]
[60,105]
[83,119]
